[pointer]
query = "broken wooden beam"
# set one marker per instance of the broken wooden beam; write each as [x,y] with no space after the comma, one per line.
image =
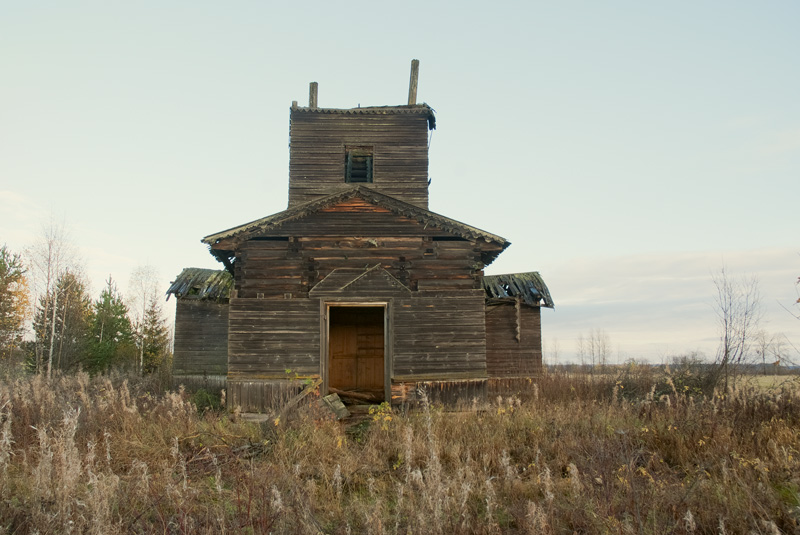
[335,405]
[360,396]
[292,403]
[412,83]
[312,94]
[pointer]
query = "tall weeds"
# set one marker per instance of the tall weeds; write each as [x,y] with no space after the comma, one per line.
[631,453]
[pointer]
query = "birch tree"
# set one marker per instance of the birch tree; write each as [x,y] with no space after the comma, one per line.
[51,256]
[143,291]
[67,336]
[596,347]
[738,308]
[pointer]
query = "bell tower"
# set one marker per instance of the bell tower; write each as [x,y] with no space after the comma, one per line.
[384,148]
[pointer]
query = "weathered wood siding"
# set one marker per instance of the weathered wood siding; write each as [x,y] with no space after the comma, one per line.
[269,336]
[201,338]
[400,153]
[295,257]
[261,395]
[457,392]
[353,284]
[506,356]
[439,337]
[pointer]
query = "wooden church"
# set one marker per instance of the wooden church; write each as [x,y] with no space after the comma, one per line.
[357,284]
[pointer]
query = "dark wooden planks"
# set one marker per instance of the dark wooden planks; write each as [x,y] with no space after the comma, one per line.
[436,336]
[453,392]
[399,144]
[355,235]
[269,336]
[505,355]
[259,395]
[201,338]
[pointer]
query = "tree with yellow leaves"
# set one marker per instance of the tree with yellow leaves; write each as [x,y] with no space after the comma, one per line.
[14,301]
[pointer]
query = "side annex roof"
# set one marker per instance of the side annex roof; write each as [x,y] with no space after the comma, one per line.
[202,284]
[528,287]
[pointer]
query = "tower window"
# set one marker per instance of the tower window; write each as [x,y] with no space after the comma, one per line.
[358,164]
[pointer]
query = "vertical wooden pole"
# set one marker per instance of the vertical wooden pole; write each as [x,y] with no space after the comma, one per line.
[312,95]
[412,84]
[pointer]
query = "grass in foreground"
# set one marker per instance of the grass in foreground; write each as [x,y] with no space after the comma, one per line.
[81,455]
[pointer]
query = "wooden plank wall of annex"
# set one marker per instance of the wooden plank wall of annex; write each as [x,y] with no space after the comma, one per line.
[505,356]
[201,338]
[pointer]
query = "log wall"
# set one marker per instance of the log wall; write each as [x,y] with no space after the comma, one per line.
[262,395]
[296,256]
[201,339]
[506,356]
[269,336]
[435,337]
[439,337]
[462,392]
[399,144]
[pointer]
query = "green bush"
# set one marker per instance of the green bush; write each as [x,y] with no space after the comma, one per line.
[205,400]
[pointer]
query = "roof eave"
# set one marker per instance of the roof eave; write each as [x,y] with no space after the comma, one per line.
[273,221]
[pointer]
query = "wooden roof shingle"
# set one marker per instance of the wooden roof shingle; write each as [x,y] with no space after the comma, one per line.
[414,109]
[202,284]
[530,287]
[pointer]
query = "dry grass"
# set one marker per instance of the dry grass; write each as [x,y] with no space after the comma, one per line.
[773,381]
[632,454]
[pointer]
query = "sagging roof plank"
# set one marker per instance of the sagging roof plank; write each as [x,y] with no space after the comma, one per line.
[202,284]
[529,287]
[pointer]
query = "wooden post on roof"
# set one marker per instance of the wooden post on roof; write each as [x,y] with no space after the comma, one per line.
[312,95]
[412,84]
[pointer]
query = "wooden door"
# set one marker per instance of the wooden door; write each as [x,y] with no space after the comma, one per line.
[356,345]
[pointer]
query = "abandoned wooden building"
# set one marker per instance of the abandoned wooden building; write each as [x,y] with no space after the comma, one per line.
[357,284]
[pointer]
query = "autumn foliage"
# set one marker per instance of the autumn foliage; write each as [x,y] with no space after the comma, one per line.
[14,301]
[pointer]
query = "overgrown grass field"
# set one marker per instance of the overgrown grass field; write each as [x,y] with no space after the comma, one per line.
[632,453]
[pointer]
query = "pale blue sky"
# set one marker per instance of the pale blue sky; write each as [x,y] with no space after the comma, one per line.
[627,149]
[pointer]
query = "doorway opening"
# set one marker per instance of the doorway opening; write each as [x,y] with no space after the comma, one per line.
[356,343]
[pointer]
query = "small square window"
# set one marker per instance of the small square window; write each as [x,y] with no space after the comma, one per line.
[358,164]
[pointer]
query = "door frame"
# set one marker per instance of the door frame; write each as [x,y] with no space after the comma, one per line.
[324,346]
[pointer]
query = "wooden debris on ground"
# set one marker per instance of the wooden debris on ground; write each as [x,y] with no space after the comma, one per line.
[335,405]
[297,399]
[371,397]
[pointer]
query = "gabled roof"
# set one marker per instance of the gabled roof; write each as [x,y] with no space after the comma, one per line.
[426,217]
[529,287]
[202,284]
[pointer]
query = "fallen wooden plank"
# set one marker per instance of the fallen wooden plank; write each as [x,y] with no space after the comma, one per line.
[361,396]
[298,398]
[335,405]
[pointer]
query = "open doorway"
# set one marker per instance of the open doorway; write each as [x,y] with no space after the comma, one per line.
[356,351]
